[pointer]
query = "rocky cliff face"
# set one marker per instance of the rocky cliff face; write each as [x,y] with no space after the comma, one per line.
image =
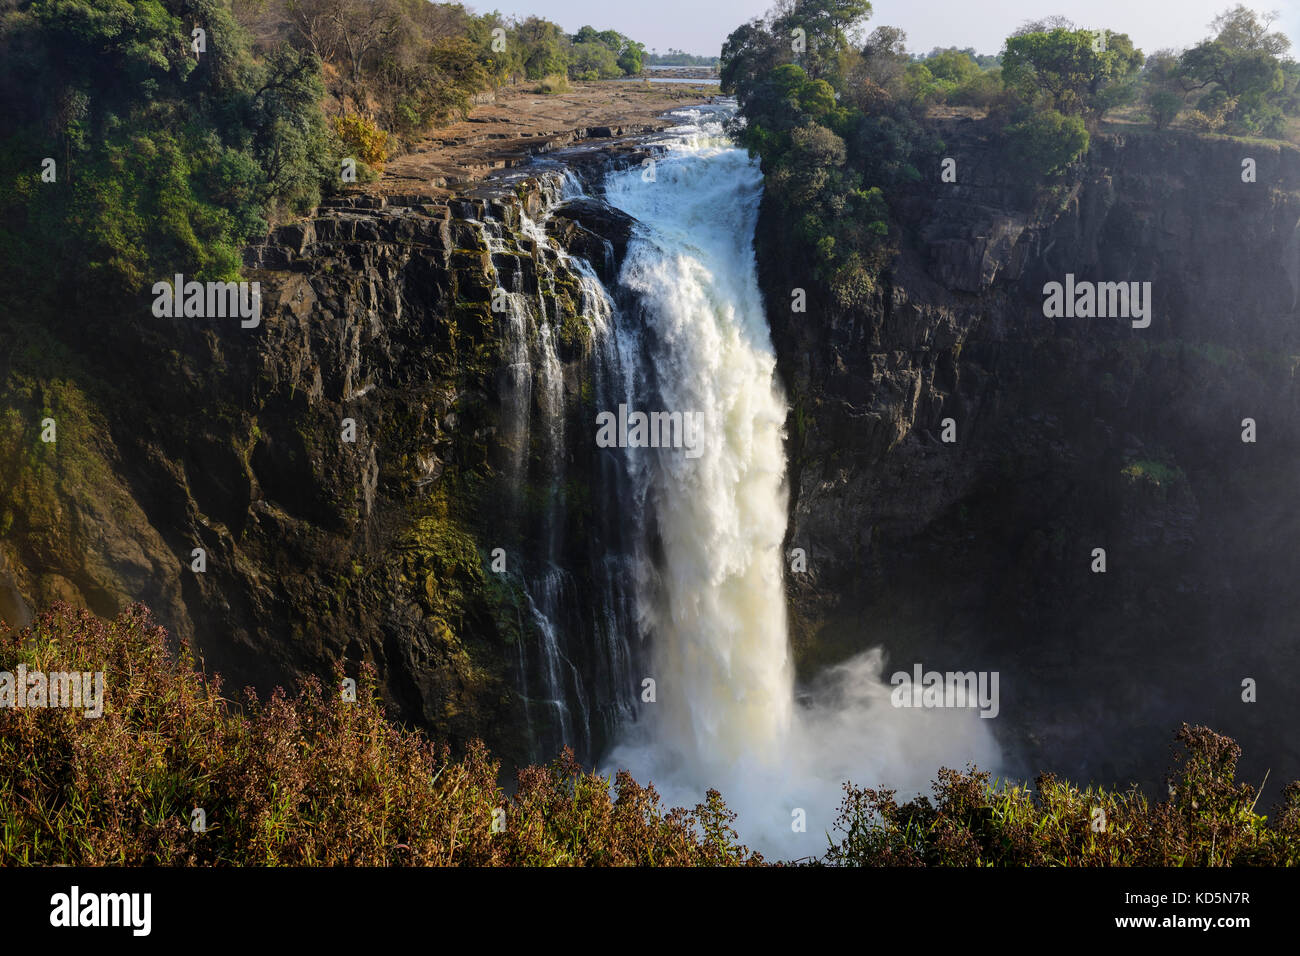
[1071,434]
[350,467]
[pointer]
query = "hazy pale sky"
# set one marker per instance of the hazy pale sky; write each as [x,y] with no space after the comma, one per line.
[700,26]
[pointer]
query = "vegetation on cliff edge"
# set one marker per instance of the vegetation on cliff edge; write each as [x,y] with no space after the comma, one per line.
[842,125]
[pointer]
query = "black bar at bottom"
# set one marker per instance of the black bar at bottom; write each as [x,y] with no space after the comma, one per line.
[366,906]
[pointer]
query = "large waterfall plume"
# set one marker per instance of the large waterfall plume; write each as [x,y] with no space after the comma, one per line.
[689,588]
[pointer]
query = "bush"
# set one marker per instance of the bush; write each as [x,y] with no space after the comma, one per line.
[362,140]
[318,781]
[1044,143]
[308,781]
[1207,820]
[1212,111]
[553,83]
[1205,122]
[1164,108]
[922,88]
[435,88]
[1255,116]
[981,90]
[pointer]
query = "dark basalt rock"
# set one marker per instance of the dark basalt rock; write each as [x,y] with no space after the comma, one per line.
[318,550]
[1072,434]
[594,230]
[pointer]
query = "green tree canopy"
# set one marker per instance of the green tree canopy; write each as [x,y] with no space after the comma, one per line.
[168,160]
[624,55]
[749,54]
[826,25]
[952,66]
[630,59]
[1241,58]
[1042,143]
[593,61]
[1076,71]
[546,47]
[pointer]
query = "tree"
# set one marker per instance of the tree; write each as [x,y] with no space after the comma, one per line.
[983,61]
[313,23]
[624,55]
[348,32]
[885,57]
[1245,31]
[783,101]
[750,53]
[1242,57]
[1236,72]
[826,25]
[1078,71]
[952,66]
[546,48]
[629,60]
[171,163]
[1045,25]
[921,88]
[1248,86]
[593,61]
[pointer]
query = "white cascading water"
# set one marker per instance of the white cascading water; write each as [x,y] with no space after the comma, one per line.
[562,706]
[533,375]
[718,619]
[712,601]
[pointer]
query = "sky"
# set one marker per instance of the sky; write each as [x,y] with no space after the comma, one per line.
[700,26]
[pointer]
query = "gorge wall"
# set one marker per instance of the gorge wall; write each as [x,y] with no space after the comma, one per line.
[175,434]
[1072,434]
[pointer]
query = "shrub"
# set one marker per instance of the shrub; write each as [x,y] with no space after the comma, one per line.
[315,780]
[1204,122]
[1255,116]
[1208,819]
[981,90]
[1212,111]
[362,140]
[922,88]
[553,83]
[311,780]
[1044,143]
[1164,107]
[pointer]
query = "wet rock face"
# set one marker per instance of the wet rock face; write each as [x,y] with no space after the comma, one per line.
[1070,434]
[376,313]
[348,467]
[339,466]
[596,232]
[384,543]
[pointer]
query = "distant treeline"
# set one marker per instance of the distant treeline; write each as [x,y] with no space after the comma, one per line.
[679,58]
[982,60]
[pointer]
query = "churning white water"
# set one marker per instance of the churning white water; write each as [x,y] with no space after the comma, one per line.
[711,598]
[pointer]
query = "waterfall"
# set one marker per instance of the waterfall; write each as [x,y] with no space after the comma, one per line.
[573,661]
[717,611]
[684,575]
[710,591]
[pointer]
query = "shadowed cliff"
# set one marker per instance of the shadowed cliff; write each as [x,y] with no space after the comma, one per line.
[1071,434]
